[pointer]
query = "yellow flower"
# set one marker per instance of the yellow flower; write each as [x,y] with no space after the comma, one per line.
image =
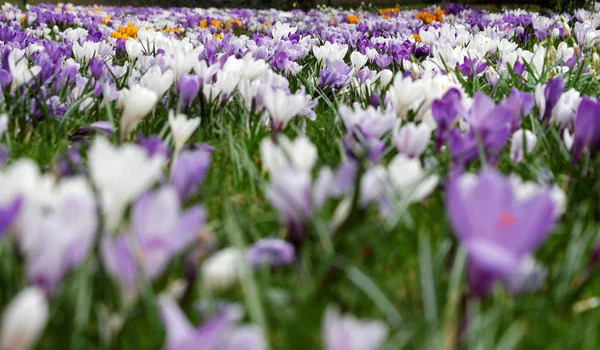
[352,19]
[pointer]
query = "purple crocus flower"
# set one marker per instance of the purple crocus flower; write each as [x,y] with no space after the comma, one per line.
[520,103]
[8,213]
[346,332]
[160,230]
[498,231]
[471,67]
[445,111]
[189,170]
[587,128]
[290,195]
[153,146]
[188,86]
[270,251]
[96,66]
[222,332]
[550,96]
[383,61]
[489,124]
[336,75]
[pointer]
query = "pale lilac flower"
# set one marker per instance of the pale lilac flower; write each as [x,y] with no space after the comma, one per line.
[346,332]
[497,230]
[189,170]
[222,332]
[270,251]
[283,107]
[160,229]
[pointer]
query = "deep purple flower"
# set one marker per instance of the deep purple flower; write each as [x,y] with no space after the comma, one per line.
[96,66]
[471,67]
[587,128]
[270,251]
[552,92]
[188,86]
[520,103]
[8,214]
[445,111]
[189,170]
[498,230]
[335,76]
[153,145]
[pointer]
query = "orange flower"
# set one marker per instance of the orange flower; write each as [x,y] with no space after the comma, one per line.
[416,37]
[215,23]
[105,19]
[23,18]
[266,24]
[438,14]
[203,23]
[389,11]
[125,33]
[218,36]
[232,22]
[352,19]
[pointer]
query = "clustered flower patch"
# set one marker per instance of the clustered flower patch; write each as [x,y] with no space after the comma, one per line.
[234,178]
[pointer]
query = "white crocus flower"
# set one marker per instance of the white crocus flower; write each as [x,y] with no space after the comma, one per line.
[3,123]
[137,103]
[566,107]
[24,319]
[411,139]
[518,148]
[19,69]
[223,269]
[358,60]
[283,107]
[157,81]
[299,154]
[282,29]
[134,48]
[410,179]
[182,128]
[121,175]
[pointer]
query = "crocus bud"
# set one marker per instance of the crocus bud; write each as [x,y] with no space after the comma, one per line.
[566,28]
[518,148]
[182,128]
[385,77]
[222,269]
[188,86]
[24,319]
[596,60]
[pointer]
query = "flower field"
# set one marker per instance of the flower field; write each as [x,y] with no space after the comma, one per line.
[339,179]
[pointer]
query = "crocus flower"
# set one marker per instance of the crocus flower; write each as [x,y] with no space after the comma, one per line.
[290,194]
[159,231]
[335,76]
[223,269]
[523,141]
[157,81]
[411,139]
[520,103]
[299,154]
[587,128]
[445,111]
[222,332]
[153,146]
[121,174]
[138,102]
[188,171]
[497,230]
[182,128]
[188,87]
[346,332]
[57,237]
[283,107]
[546,97]
[270,251]
[8,214]
[24,319]
[365,128]
[565,109]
